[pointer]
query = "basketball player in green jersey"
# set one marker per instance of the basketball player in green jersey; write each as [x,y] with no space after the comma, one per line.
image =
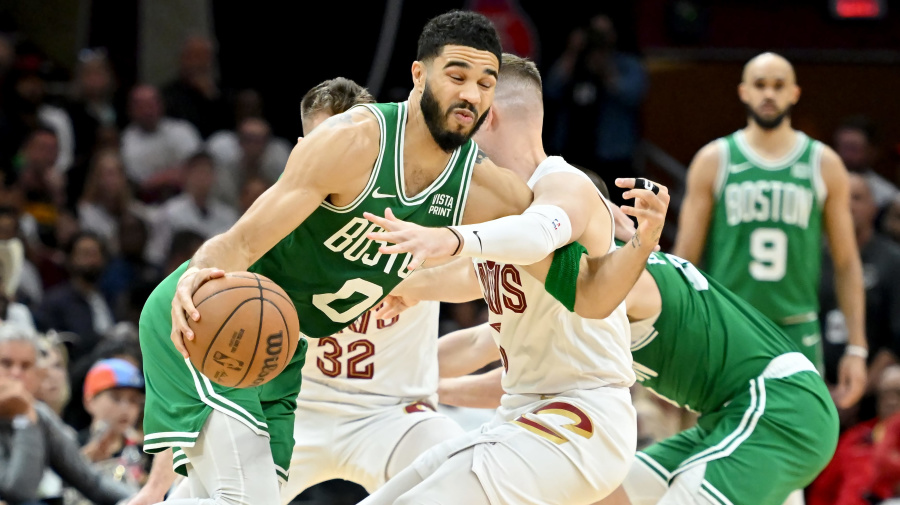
[764,410]
[756,204]
[307,234]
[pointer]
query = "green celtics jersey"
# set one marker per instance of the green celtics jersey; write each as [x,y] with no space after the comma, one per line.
[764,241]
[706,344]
[328,267]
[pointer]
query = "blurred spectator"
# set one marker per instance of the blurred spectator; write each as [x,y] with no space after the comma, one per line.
[12,256]
[120,343]
[77,305]
[195,209]
[107,198]
[43,187]
[597,93]
[247,103]
[33,439]
[154,146]
[30,289]
[27,110]
[251,190]
[114,397]
[252,151]
[881,267]
[128,270]
[184,244]
[195,95]
[91,108]
[851,475]
[55,390]
[855,142]
[890,220]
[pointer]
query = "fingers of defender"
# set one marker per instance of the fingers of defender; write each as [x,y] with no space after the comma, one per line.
[416,261]
[640,214]
[646,196]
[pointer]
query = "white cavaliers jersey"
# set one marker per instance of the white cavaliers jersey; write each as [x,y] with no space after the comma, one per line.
[545,348]
[395,359]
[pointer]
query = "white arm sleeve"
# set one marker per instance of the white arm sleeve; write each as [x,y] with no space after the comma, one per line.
[518,240]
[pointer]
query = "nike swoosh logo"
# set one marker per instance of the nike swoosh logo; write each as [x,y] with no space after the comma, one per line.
[740,167]
[810,340]
[480,245]
[376,194]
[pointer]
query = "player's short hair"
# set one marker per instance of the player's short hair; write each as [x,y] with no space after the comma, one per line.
[520,69]
[461,28]
[334,96]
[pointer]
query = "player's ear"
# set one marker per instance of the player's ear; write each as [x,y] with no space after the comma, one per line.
[796,97]
[419,73]
[491,122]
[742,92]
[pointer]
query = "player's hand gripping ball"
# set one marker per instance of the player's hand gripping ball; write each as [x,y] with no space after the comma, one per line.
[248,330]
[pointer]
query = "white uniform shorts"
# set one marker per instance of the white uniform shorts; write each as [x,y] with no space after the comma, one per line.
[355,442]
[568,449]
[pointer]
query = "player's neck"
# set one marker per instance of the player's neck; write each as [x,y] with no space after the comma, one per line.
[522,154]
[771,143]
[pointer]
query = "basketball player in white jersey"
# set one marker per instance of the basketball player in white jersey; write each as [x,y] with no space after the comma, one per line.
[565,432]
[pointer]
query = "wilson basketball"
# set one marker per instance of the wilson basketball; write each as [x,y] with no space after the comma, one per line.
[247,332]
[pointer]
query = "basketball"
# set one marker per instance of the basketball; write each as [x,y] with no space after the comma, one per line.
[247,332]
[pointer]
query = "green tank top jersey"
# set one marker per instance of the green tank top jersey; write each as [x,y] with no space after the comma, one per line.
[764,241]
[706,343]
[328,267]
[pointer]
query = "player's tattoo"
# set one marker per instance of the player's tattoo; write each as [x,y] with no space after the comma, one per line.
[338,119]
[635,241]
[481,156]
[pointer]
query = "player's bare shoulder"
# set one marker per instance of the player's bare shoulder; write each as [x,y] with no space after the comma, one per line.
[355,132]
[338,156]
[494,192]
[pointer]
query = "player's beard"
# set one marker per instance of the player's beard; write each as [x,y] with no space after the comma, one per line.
[437,120]
[770,123]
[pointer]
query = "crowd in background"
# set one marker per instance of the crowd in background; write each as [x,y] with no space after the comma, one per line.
[105,190]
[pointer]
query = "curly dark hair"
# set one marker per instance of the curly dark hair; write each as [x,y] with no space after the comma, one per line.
[463,28]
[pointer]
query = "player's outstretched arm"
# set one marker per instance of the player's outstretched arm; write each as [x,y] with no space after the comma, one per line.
[494,192]
[697,205]
[349,141]
[465,351]
[456,279]
[593,287]
[482,391]
[848,282]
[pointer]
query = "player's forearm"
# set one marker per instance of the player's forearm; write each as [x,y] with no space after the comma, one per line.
[518,240]
[604,281]
[481,391]
[851,299]
[465,351]
[456,279]
[226,251]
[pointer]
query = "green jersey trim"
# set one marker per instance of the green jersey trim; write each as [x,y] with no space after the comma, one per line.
[224,405]
[399,174]
[375,170]
[815,160]
[722,172]
[785,161]
[712,494]
[463,195]
[730,443]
